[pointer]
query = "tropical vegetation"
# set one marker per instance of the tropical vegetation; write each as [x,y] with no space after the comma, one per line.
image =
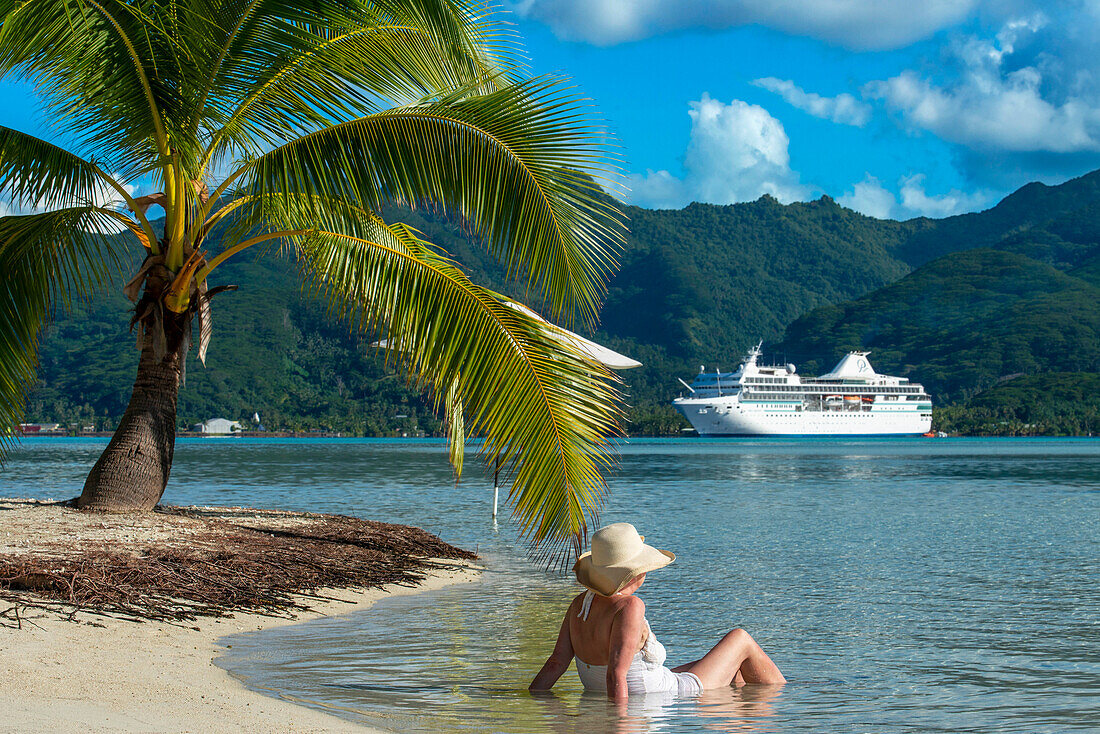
[284,128]
[1043,404]
[1010,300]
[962,324]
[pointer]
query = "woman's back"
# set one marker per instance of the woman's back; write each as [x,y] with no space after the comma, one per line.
[591,632]
[605,632]
[613,635]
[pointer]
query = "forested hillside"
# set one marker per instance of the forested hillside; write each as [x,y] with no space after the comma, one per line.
[961,324]
[995,331]
[1010,291]
[697,279]
[1035,206]
[273,352]
[1044,404]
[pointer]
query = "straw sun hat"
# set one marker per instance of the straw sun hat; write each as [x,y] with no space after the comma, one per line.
[618,555]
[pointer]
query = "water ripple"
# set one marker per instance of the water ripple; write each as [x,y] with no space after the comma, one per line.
[902,586]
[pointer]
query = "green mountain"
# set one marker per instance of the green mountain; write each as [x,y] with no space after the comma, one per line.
[962,304]
[961,324]
[1030,208]
[992,332]
[944,322]
[1050,403]
[695,279]
[273,352]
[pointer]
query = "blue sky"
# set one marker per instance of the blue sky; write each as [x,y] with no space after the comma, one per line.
[896,109]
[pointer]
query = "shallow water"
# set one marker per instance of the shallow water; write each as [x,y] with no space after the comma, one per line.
[901,585]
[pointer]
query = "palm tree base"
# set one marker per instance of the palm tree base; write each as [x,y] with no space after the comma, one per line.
[132,472]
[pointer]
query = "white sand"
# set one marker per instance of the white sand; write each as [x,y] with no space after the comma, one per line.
[59,676]
[103,674]
[48,529]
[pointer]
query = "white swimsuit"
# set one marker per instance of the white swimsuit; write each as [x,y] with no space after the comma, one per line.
[647,673]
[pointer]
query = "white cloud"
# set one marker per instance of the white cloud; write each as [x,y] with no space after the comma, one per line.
[657,189]
[856,24]
[991,105]
[737,153]
[870,197]
[916,201]
[844,108]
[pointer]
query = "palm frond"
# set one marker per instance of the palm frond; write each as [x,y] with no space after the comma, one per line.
[283,71]
[519,166]
[95,67]
[173,90]
[37,173]
[47,260]
[455,421]
[546,412]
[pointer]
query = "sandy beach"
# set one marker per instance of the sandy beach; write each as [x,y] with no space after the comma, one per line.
[109,674]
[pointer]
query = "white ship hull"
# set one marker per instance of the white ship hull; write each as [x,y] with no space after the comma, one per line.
[850,400]
[727,417]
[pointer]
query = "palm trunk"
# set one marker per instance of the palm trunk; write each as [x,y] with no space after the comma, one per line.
[131,474]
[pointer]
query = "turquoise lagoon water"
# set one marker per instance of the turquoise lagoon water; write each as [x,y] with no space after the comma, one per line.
[902,585]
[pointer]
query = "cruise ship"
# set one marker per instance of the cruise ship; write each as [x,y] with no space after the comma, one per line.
[850,400]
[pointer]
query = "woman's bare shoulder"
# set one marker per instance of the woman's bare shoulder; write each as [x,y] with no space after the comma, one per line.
[631,606]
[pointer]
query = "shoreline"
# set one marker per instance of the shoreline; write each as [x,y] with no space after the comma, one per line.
[107,674]
[112,622]
[303,436]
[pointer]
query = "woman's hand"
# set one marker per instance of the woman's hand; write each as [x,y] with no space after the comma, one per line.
[558,662]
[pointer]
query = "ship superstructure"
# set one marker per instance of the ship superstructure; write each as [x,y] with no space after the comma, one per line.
[851,400]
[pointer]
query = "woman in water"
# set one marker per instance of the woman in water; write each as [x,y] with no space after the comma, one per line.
[606,632]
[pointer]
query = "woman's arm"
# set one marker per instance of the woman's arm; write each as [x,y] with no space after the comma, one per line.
[626,630]
[558,662]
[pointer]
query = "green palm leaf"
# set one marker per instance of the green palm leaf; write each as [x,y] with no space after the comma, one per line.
[516,165]
[95,66]
[36,173]
[546,412]
[350,60]
[47,260]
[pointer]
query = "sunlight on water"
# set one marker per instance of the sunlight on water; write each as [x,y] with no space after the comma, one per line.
[901,585]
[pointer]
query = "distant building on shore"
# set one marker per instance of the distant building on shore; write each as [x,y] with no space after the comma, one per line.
[40,429]
[217,426]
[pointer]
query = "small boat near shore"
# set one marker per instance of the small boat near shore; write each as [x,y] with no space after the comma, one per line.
[850,400]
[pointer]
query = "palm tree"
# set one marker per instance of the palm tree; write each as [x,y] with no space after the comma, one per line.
[285,125]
